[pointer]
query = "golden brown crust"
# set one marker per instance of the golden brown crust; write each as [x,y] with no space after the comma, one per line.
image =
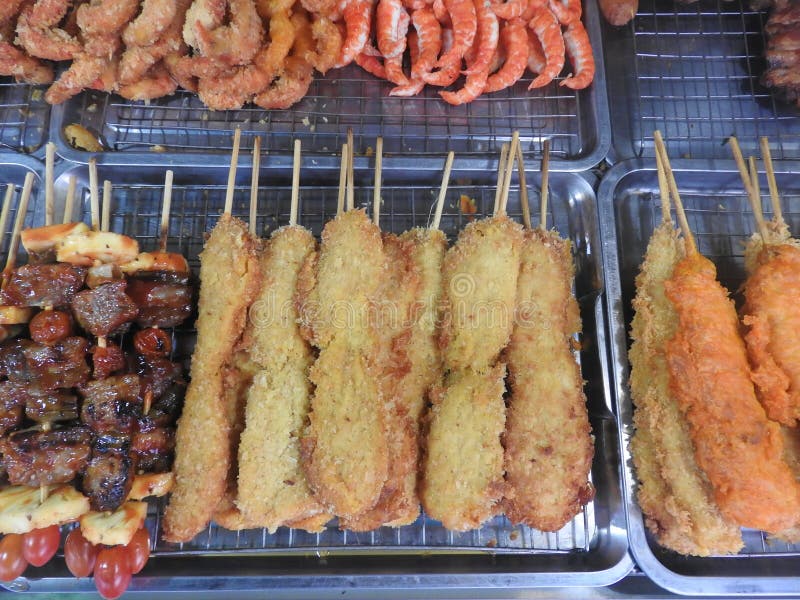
[462,480]
[738,448]
[230,278]
[479,285]
[548,441]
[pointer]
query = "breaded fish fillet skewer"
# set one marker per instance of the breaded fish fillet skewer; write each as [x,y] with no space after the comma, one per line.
[674,494]
[230,277]
[548,441]
[462,483]
[738,448]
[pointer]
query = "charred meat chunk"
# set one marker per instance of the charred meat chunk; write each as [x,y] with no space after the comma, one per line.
[35,458]
[62,365]
[165,410]
[157,374]
[107,360]
[43,285]
[112,404]
[108,477]
[103,310]
[161,304]
[52,407]
[153,446]
[12,404]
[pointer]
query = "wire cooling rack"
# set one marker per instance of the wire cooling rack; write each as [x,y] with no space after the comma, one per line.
[693,71]
[24,116]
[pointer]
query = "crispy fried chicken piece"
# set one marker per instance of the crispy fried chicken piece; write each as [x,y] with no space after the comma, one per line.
[738,448]
[548,441]
[462,481]
[674,494]
[230,278]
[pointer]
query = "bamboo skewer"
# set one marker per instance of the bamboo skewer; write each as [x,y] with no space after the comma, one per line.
[774,197]
[509,170]
[501,167]
[49,166]
[350,171]
[755,200]
[256,172]
[663,189]
[523,187]
[376,191]
[105,219]
[545,196]
[4,213]
[448,165]
[94,194]
[69,201]
[22,209]
[673,189]
[295,184]
[237,138]
[342,179]
[166,206]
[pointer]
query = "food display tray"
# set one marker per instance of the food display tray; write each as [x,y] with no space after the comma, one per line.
[720,217]
[24,117]
[13,170]
[414,560]
[693,71]
[577,124]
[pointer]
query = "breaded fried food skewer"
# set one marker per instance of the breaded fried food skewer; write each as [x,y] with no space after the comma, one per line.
[410,359]
[674,494]
[230,278]
[738,448]
[272,488]
[548,441]
[344,448]
[462,474]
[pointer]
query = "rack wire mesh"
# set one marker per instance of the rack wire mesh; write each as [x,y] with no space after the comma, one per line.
[24,116]
[693,71]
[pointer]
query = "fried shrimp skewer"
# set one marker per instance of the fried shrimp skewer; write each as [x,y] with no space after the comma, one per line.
[738,448]
[272,488]
[230,278]
[462,484]
[673,493]
[548,441]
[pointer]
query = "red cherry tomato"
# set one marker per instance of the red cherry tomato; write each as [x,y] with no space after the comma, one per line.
[40,545]
[12,562]
[80,554]
[138,550]
[112,573]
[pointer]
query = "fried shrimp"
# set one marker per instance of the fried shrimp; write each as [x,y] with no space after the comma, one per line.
[230,279]
[38,32]
[84,71]
[208,14]
[328,41]
[153,20]
[103,17]
[17,64]
[156,83]
[548,441]
[236,43]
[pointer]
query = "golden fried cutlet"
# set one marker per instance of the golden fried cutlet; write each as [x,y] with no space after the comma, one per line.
[737,446]
[272,488]
[230,278]
[548,440]
[462,480]
[479,286]
[674,494]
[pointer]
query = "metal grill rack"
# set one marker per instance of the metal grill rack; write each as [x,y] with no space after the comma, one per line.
[721,220]
[591,550]
[577,124]
[24,116]
[693,71]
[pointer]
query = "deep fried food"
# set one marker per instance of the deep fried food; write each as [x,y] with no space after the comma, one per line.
[548,441]
[479,292]
[674,494]
[230,279]
[462,480]
[737,447]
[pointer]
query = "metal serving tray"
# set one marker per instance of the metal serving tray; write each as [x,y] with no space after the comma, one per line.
[412,560]
[577,124]
[692,71]
[13,170]
[720,217]
[24,117]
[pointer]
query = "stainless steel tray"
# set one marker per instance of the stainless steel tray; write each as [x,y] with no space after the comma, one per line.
[692,71]
[24,117]
[13,169]
[721,219]
[413,560]
[577,124]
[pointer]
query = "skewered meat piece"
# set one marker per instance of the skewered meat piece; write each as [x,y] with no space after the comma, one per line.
[51,326]
[107,360]
[33,457]
[43,285]
[59,405]
[783,50]
[166,409]
[103,310]
[108,477]
[103,274]
[62,365]
[112,404]
[157,374]
[153,446]
[161,303]
[152,342]
[12,403]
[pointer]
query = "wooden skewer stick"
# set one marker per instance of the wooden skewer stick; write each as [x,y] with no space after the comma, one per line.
[774,197]
[350,171]
[166,206]
[750,186]
[501,166]
[94,194]
[376,190]
[342,180]
[105,220]
[69,201]
[256,172]
[295,202]
[509,170]
[237,139]
[755,200]
[545,185]
[22,210]
[448,165]
[663,190]
[741,165]
[523,187]
[4,213]
[49,179]
[676,197]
